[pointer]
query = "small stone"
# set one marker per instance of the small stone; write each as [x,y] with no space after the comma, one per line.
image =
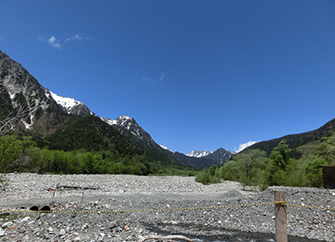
[2,232]
[7,225]
[62,232]
[25,219]
[43,235]
[76,239]
[126,228]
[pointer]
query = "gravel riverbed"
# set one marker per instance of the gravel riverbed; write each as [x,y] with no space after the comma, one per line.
[129,208]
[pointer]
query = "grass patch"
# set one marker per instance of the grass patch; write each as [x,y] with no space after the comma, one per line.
[9,216]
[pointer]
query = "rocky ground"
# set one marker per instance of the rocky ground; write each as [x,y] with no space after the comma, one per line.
[129,208]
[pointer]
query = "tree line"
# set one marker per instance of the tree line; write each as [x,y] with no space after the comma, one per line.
[255,167]
[21,154]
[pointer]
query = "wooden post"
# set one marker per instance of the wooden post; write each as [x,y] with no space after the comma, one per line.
[280,214]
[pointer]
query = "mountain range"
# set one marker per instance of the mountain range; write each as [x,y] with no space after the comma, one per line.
[130,128]
[55,117]
[49,111]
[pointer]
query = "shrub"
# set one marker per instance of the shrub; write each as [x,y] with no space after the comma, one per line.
[3,182]
[206,178]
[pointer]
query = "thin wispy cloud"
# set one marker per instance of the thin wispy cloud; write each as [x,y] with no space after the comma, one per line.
[162,77]
[154,79]
[41,38]
[244,146]
[78,37]
[54,42]
[147,78]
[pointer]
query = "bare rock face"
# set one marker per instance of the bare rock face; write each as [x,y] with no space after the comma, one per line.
[18,80]
[81,110]
[19,89]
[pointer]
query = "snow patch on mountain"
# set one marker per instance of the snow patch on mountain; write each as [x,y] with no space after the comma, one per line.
[125,121]
[127,125]
[29,125]
[67,102]
[165,148]
[198,154]
[122,121]
[70,105]
[109,121]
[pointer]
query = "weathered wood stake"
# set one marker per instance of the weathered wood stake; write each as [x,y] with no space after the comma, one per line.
[280,213]
[166,238]
[82,196]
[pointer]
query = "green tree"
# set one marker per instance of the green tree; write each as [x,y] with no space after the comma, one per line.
[314,171]
[280,159]
[229,170]
[280,155]
[251,164]
[327,149]
[212,169]
[11,149]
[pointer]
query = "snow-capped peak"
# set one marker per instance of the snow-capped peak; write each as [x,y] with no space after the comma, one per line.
[67,102]
[120,121]
[198,154]
[124,117]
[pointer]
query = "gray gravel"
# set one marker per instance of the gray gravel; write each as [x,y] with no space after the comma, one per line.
[168,194]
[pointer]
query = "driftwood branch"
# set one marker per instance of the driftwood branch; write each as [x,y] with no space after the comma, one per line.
[165,238]
[59,186]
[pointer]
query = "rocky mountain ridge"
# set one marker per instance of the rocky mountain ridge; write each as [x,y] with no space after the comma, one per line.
[70,105]
[198,154]
[129,127]
[49,110]
[204,159]
[21,91]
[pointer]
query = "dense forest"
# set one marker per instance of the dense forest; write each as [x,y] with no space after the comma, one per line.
[82,145]
[23,154]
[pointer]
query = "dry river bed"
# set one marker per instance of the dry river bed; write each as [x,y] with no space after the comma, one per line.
[130,208]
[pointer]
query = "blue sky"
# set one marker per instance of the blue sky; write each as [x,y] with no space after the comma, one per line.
[196,75]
